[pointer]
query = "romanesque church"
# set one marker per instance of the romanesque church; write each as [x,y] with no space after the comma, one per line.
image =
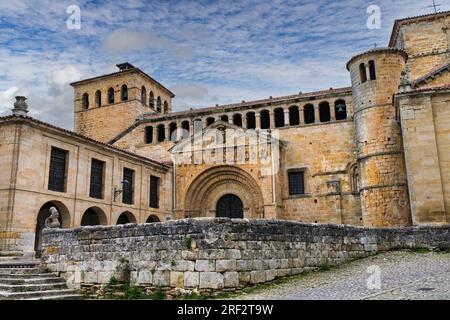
[375,154]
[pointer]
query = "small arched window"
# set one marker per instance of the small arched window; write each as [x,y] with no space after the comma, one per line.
[251,121]
[85,101]
[372,71]
[161,133]
[237,119]
[362,72]
[151,100]
[124,93]
[308,114]
[340,109]
[149,134]
[265,119]
[209,121]
[324,111]
[224,118]
[354,178]
[158,104]
[294,116]
[166,107]
[144,95]
[98,98]
[173,131]
[279,117]
[110,95]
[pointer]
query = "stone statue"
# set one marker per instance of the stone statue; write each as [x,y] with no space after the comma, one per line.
[52,221]
[405,82]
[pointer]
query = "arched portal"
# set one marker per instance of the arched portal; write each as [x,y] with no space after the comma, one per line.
[230,206]
[204,193]
[93,216]
[44,213]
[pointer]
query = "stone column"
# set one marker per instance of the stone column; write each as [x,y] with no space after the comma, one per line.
[332,111]
[244,121]
[272,119]
[301,117]
[316,114]
[179,132]
[155,135]
[258,120]
[286,118]
[367,72]
[230,119]
[167,133]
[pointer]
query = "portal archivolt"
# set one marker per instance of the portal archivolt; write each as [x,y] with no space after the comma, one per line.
[210,186]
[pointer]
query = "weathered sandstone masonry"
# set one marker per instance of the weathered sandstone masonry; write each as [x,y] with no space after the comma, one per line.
[220,253]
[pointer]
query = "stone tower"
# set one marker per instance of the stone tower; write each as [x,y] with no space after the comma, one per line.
[107,105]
[375,77]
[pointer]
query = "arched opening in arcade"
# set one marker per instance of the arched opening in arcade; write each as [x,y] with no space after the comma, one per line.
[93,217]
[126,217]
[43,214]
[152,219]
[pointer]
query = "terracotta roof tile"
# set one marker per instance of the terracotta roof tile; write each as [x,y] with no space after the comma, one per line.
[377,50]
[65,131]
[432,73]
[399,22]
[430,89]
[248,103]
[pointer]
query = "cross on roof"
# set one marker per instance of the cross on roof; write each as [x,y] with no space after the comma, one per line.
[435,6]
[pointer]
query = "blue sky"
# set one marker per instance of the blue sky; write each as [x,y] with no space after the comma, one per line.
[206,52]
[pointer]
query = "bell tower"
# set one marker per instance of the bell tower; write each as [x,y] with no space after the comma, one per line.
[107,105]
[375,77]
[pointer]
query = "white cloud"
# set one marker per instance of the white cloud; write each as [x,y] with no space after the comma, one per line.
[125,41]
[59,80]
[7,99]
[206,52]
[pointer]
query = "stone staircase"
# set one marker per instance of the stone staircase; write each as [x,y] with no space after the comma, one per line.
[24,280]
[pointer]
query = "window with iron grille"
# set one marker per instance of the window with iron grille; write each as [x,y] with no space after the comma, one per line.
[154,192]
[127,185]
[96,186]
[296,183]
[57,174]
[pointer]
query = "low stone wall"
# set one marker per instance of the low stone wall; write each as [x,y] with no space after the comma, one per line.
[217,254]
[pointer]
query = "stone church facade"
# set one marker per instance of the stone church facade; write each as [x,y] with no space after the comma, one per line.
[373,154]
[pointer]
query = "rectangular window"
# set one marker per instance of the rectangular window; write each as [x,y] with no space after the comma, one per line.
[296,183]
[96,186]
[57,174]
[127,184]
[154,192]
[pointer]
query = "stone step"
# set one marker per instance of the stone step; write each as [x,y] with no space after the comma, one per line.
[34,280]
[26,275]
[8,255]
[47,294]
[61,297]
[19,264]
[20,270]
[32,287]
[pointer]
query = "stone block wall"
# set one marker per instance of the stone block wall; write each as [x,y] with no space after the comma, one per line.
[217,253]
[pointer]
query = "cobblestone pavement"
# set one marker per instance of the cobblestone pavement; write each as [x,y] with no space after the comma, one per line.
[404,275]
